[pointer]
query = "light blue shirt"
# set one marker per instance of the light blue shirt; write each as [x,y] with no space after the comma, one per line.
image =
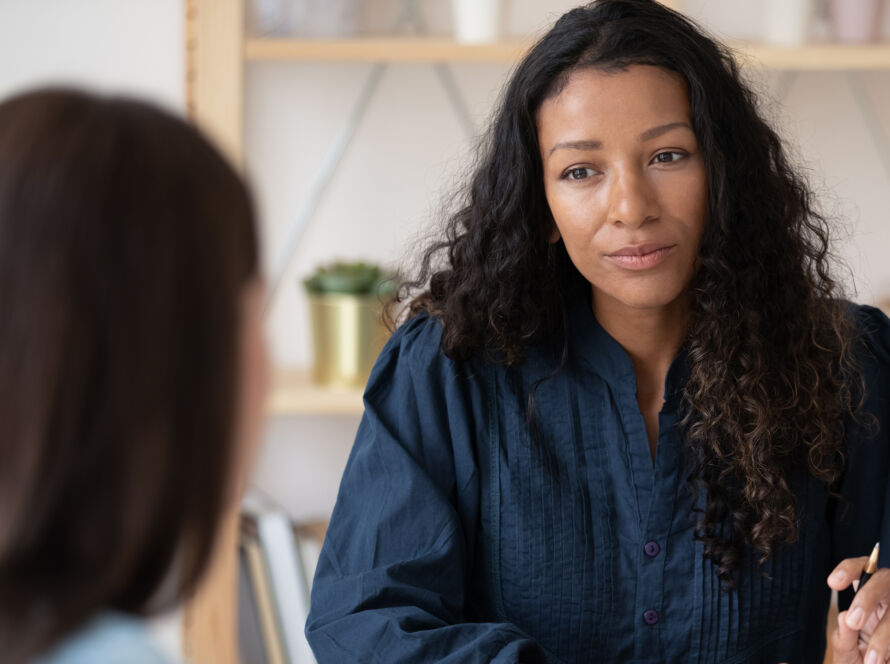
[109,638]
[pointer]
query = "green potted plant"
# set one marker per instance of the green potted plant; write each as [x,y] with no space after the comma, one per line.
[346,301]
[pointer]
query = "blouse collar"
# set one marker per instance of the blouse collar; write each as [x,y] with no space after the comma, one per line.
[590,344]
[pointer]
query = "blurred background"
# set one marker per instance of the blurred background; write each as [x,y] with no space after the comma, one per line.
[361,157]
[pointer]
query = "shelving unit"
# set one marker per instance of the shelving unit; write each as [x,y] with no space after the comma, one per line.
[816,57]
[810,57]
[216,52]
[427,50]
[294,393]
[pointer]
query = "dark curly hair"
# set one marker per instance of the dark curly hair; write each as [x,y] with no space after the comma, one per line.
[772,375]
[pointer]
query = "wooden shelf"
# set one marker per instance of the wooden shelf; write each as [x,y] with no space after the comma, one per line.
[294,393]
[382,50]
[816,57]
[421,50]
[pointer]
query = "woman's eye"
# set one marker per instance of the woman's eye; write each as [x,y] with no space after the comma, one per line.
[579,173]
[668,157]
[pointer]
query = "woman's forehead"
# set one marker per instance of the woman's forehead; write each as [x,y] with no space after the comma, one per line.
[635,99]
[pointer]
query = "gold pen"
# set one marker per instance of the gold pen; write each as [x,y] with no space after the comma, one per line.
[870,567]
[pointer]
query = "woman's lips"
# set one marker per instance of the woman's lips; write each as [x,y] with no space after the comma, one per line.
[642,257]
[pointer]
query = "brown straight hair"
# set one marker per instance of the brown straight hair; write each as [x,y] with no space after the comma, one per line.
[125,243]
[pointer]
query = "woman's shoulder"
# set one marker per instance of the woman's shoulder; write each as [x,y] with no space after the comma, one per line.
[872,328]
[871,351]
[416,347]
[109,638]
[419,337]
[414,362]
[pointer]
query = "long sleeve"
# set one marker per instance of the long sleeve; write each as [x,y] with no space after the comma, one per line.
[391,581]
[863,515]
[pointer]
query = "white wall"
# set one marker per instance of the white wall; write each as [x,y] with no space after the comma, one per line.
[132,46]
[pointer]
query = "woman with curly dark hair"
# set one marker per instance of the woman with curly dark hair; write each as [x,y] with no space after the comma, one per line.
[630,418]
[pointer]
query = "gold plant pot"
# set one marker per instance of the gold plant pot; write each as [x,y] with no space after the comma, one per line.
[347,336]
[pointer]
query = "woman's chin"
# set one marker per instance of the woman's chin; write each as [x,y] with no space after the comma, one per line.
[656,297]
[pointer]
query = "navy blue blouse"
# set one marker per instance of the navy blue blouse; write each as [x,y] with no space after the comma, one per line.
[460,535]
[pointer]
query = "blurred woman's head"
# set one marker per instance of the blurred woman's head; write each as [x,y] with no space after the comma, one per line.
[750,260]
[130,290]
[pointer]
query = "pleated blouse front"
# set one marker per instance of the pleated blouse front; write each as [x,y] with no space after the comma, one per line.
[462,533]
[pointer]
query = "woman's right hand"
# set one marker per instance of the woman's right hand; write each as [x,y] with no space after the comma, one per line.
[850,645]
[845,643]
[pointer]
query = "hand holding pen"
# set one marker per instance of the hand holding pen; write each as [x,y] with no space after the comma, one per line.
[863,633]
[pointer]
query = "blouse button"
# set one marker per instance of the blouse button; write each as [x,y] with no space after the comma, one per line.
[651,549]
[650,616]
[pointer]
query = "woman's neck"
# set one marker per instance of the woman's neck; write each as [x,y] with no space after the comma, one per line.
[650,336]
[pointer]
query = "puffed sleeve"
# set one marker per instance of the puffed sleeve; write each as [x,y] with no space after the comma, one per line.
[863,513]
[390,583]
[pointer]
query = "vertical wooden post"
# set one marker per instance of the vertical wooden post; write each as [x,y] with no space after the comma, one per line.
[214,101]
[215,71]
[210,619]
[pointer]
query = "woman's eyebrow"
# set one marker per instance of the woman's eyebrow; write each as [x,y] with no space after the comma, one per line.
[577,145]
[647,135]
[655,132]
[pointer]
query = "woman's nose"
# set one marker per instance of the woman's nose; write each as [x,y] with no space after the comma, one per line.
[632,199]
